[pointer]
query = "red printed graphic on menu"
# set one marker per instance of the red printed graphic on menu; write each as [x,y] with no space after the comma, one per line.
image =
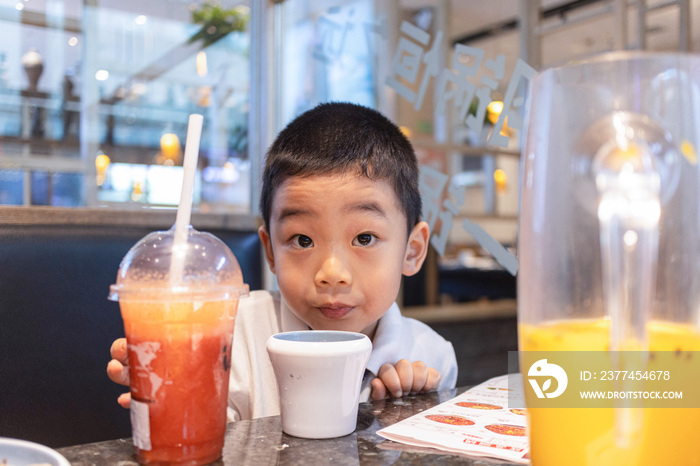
[452,420]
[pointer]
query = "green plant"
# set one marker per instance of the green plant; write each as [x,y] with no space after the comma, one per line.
[218,21]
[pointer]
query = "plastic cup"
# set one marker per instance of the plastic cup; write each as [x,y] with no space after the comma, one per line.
[319,376]
[179,335]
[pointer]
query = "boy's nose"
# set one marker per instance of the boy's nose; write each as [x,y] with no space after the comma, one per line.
[333,271]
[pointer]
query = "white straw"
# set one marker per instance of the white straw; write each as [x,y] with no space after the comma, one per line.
[184,210]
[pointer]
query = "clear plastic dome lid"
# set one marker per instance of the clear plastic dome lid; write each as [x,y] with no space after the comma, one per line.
[200,268]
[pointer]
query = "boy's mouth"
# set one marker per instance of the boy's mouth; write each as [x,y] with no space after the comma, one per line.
[334,310]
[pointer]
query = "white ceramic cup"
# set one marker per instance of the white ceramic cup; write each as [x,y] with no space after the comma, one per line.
[319,375]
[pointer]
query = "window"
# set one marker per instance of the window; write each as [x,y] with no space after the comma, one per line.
[95,99]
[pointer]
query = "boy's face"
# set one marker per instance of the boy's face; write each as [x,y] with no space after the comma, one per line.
[338,246]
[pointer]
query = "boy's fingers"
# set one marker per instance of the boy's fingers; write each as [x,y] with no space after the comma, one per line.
[378,389]
[118,351]
[433,380]
[117,372]
[405,371]
[124,400]
[420,376]
[390,377]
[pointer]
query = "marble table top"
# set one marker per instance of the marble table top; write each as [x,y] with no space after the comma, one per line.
[262,442]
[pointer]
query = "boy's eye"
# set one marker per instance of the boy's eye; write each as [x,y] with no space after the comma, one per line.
[364,239]
[302,241]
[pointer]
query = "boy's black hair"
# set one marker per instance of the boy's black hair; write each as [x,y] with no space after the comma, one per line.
[337,138]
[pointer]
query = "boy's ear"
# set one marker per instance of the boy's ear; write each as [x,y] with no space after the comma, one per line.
[416,249]
[267,244]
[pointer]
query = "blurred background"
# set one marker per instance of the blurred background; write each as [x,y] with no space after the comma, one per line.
[95,94]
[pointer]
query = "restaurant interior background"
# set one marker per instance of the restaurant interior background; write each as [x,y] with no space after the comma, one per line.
[95,97]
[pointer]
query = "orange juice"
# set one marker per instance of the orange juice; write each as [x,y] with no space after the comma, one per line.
[179,361]
[585,436]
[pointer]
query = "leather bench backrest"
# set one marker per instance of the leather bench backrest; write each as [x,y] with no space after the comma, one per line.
[56,328]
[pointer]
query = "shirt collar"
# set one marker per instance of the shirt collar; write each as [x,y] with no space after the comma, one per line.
[387,339]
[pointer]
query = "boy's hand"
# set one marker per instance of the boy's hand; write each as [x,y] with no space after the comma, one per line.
[404,378]
[118,369]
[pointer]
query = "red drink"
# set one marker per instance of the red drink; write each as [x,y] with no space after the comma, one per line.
[179,361]
[178,301]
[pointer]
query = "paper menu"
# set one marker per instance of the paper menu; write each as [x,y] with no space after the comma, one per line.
[477,422]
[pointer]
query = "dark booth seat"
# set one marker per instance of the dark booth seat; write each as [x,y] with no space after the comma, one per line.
[56,325]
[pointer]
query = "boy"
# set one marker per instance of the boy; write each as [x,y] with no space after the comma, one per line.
[341,213]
